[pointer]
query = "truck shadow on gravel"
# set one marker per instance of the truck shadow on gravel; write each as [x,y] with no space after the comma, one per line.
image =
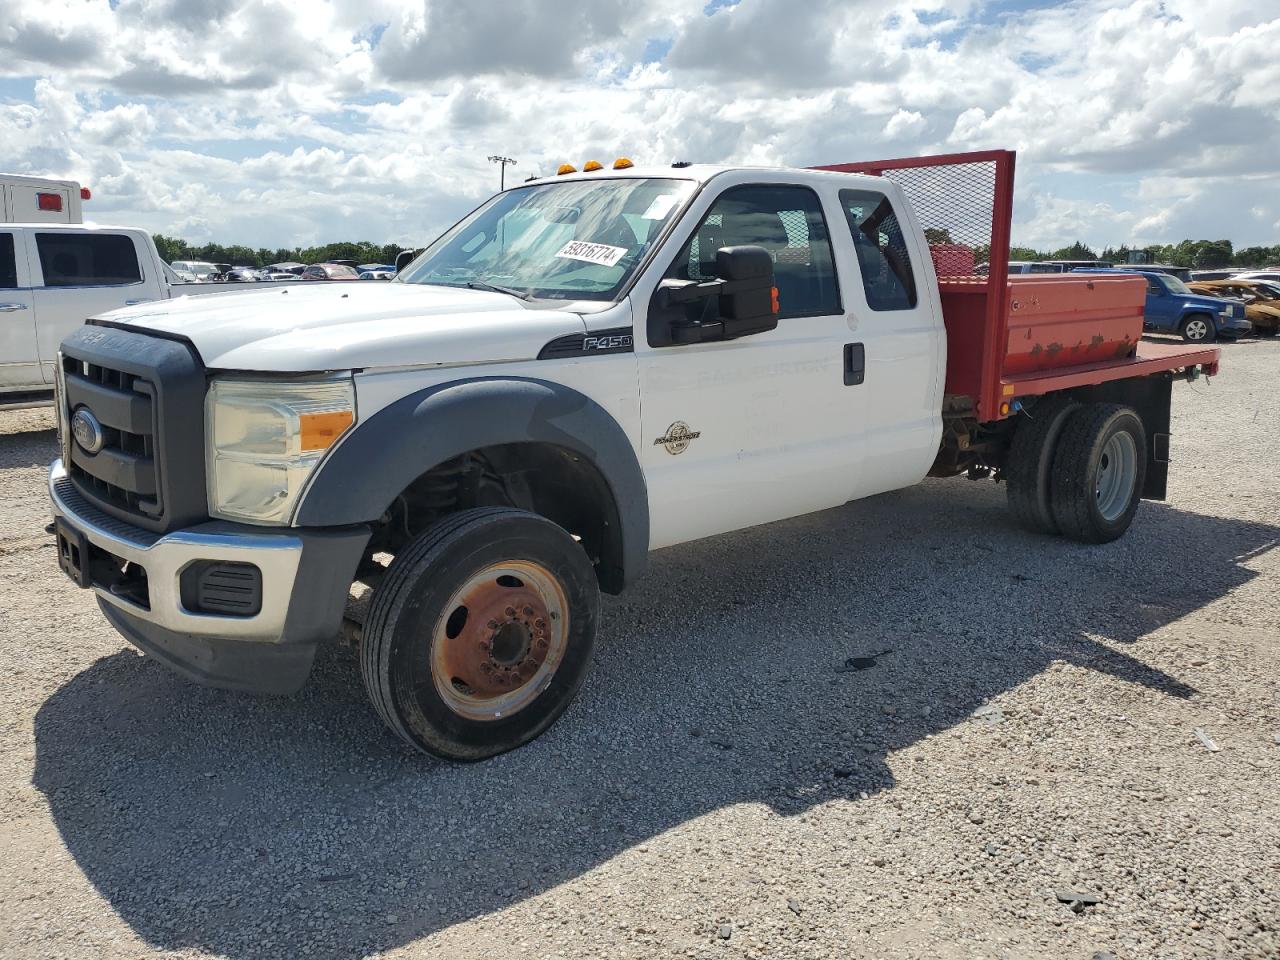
[250,827]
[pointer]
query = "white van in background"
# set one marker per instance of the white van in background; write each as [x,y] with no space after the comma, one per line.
[38,200]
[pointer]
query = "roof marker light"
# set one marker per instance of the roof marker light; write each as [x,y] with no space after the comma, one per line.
[591,166]
[51,202]
[566,168]
[85,194]
[622,163]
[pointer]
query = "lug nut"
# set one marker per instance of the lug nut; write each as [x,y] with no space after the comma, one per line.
[511,611]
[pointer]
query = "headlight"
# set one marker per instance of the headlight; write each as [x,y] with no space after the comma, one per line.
[263,439]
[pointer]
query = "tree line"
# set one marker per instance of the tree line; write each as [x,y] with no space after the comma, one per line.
[1199,254]
[238,255]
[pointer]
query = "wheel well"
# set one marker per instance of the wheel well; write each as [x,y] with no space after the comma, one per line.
[543,478]
[981,449]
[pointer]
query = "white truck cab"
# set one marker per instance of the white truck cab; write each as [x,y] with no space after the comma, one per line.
[588,367]
[54,276]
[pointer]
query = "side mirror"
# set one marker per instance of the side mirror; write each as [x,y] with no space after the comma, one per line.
[404,258]
[741,301]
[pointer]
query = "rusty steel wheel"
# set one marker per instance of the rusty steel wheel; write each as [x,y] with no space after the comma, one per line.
[499,639]
[481,632]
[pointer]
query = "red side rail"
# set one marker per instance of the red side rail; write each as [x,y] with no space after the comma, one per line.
[964,202]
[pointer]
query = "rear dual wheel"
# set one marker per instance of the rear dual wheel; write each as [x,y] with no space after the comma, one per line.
[481,633]
[1078,470]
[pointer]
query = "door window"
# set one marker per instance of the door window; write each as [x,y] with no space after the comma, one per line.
[883,259]
[8,263]
[785,220]
[87,259]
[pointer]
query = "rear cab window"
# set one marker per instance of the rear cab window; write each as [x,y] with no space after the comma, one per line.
[883,259]
[87,259]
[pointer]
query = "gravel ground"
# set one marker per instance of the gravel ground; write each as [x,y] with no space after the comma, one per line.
[720,788]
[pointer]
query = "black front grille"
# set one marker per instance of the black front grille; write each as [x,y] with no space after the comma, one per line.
[123,472]
[147,395]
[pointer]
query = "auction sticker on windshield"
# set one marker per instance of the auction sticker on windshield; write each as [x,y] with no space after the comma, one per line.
[600,253]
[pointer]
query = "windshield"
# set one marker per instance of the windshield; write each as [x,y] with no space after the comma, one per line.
[1174,285]
[576,240]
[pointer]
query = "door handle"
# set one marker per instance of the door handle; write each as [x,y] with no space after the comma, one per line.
[855,364]
[134,303]
[11,307]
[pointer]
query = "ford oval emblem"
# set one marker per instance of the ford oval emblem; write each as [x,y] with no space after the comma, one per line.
[87,430]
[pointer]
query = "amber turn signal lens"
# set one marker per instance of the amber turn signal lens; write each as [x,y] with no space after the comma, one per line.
[773,297]
[320,430]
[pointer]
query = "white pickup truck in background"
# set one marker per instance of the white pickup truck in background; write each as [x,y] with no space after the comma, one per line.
[52,277]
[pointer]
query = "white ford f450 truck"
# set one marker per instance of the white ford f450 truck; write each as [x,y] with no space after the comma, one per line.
[588,367]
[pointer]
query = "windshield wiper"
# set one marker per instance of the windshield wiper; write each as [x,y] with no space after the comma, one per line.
[494,288]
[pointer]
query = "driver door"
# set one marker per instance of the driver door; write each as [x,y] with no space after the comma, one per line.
[741,432]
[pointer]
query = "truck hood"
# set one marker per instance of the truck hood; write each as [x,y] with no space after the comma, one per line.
[339,326]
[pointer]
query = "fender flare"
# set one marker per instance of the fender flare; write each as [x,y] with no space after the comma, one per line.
[364,474]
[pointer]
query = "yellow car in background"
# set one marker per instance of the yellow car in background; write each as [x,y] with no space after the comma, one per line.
[1261,300]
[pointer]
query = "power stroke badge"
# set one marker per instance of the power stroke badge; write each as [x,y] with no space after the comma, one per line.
[677,438]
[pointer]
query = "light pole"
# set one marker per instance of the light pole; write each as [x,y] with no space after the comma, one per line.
[502,177]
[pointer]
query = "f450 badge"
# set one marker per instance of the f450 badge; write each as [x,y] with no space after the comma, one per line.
[677,438]
[615,341]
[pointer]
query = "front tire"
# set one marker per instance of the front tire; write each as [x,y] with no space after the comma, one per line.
[1098,472]
[481,633]
[1198,328]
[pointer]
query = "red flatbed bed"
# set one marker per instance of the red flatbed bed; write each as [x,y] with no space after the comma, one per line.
[1022,335]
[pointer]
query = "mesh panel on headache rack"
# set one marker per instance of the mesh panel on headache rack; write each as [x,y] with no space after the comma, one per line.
[955,205]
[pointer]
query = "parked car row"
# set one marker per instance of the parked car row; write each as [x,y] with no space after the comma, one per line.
[196,271]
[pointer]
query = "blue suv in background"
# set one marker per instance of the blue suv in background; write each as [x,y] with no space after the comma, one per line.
[1173,308]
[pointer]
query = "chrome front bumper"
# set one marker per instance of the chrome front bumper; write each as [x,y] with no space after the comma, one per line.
[164,557]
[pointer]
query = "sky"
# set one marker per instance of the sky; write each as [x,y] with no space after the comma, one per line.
[282,123]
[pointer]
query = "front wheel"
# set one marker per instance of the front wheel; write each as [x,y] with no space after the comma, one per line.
[481,633]
[1198,328]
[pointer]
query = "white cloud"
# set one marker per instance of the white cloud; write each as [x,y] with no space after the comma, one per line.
[904,123]
[272,122]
